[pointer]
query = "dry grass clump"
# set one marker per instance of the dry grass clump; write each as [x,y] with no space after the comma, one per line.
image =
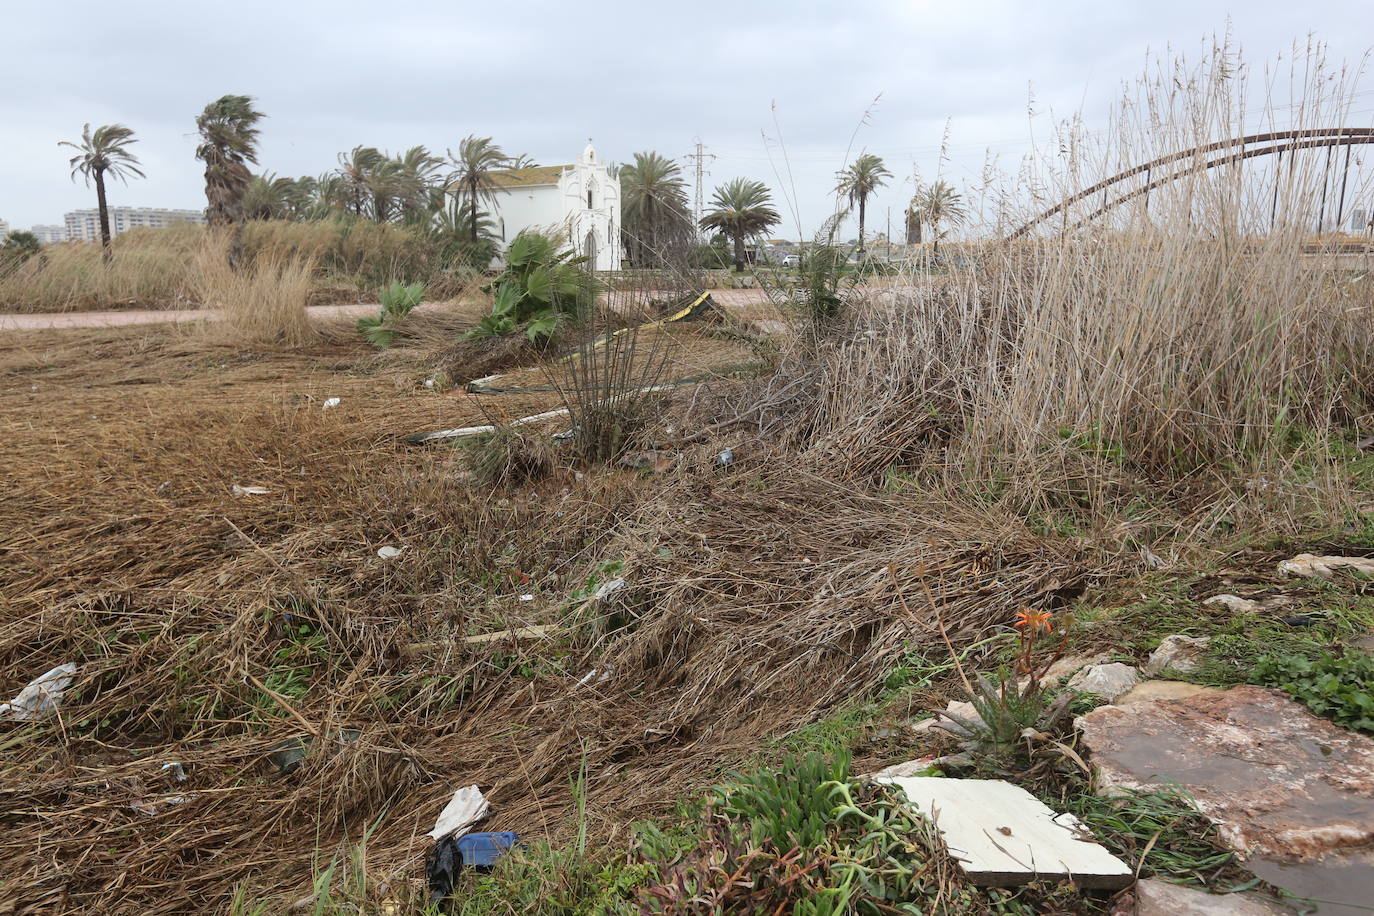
[264,302]
[508,457]
[155,268]
[149,270]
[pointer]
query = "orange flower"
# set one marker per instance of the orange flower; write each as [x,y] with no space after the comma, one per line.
[1032,620]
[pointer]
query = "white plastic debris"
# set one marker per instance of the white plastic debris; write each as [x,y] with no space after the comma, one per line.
[526,597]
[1001,835]
[331,402]
[598,675]
[41,697]
[1313,567]
[250,491]
[608,589]
[178,772]
[538,631]
[726,458]
[467,807]
[153,807]
[388,552]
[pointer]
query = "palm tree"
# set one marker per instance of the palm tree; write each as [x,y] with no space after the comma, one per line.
[356,170]
[864,176]
[933,206]
[18,247]
[228,142]
[418,196]
[741,209]
[477,158]
[653,204]
[270,197]
[106,150]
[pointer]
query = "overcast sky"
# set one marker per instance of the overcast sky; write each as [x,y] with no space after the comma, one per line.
[542,77]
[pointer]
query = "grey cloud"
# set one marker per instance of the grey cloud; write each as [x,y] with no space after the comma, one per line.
[540,77]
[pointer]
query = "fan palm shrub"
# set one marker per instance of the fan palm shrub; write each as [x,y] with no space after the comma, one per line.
[540,287]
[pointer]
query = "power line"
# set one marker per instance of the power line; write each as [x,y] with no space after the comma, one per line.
[700,155]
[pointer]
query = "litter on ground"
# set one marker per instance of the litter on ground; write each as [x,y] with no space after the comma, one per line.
[41,696]
[1002,835]
[467,807]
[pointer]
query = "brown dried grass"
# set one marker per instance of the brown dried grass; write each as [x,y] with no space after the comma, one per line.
[758,598]
[262,302]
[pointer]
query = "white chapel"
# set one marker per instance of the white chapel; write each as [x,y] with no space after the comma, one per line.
[579,201]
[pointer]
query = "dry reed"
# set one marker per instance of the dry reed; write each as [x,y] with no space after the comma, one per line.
[1189,333]
[263,302]
[153,268]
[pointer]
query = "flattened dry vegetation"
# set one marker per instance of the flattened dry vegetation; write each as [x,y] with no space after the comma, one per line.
[315,693]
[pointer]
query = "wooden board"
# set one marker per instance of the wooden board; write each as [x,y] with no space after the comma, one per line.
[1003,836]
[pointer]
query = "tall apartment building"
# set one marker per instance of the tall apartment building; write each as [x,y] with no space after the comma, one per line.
[50,235]
[84,225]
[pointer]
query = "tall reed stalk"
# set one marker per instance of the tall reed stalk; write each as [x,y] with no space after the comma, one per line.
[1192,330]
[263,302]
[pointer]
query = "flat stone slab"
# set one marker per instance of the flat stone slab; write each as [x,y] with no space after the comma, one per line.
[1147,691]
[1160,898]
[1003,836]
[1292,792]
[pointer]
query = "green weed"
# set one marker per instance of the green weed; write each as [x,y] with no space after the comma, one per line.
[1338,687]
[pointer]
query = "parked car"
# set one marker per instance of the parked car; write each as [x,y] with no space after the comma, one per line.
[792,260]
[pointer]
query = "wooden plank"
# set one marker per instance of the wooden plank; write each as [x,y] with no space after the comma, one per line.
[1003,836]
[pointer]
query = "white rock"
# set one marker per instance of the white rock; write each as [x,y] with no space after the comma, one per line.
[388,552]
[1107,681]
[1236,603]
[1069,664]
[1309,566]
[907,768]
[966,713]
[1177,653]
[1160,898]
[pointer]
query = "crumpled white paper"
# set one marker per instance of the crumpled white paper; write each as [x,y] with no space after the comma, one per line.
[42,696]
[467,807]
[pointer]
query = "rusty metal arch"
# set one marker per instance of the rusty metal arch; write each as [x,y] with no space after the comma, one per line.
[1278,142]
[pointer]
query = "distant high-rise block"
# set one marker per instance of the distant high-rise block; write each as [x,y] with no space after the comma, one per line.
[84,225]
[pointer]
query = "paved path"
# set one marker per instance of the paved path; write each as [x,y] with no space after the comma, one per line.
[42,321]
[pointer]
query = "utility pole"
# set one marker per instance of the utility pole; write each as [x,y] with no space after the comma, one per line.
[700,156]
